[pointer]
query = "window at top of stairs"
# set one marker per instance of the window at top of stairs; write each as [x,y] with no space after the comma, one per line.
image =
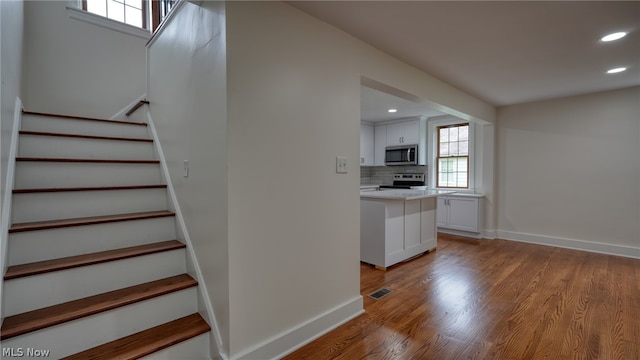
[143,14]
[131,12]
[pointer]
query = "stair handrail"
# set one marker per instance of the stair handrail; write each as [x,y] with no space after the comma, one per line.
[136,106]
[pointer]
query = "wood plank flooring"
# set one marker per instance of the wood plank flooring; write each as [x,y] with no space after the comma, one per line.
[493,299]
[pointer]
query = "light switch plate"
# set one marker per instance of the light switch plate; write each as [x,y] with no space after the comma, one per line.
[185,171]
[341,165]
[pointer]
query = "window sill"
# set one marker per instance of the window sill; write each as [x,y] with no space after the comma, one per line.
[101,21]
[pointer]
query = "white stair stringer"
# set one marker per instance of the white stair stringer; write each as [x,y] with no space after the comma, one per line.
[215,336]
[25,293]
[41,174]
[73,147]
[57,190]
[31,246]
[74,336]
[30,207]
[44,123]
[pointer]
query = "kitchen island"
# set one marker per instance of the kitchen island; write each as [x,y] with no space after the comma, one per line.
[396,225]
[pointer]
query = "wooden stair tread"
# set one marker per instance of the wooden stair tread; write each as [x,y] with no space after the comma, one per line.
[148,341]
[70,262]
[71,117]
[82,136]
[53,224]
[75,160]
[57,314]
[95,188]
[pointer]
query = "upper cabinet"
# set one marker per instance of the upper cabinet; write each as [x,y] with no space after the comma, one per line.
[366,145]
[380,142]
[407,132]
[374,139]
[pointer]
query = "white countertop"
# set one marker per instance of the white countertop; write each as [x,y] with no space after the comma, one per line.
[403,194]
[467,194]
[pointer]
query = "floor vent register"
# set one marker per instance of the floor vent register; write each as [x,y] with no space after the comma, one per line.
[377,295]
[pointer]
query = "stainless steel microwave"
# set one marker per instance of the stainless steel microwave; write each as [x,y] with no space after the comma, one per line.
[401,155]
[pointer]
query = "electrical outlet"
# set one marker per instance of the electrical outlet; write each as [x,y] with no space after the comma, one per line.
[341,165]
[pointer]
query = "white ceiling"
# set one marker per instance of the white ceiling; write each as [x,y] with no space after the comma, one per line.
[374,106]
[501,52]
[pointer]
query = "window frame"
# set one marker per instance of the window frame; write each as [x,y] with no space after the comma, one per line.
[438,155]
[77,13]
[432,150]
[145,14]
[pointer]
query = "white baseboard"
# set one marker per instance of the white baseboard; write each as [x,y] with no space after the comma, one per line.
[489,234]
[575,244]
[460,233]
[294,338]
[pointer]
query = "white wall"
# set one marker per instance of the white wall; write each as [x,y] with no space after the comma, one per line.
[274,227]
[73,67]
[569,172]
[11,23]
[187,94]
[485,150]
[294,100]
[11,33]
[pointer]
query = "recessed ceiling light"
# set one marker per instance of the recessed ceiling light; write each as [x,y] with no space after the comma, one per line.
[616,70]
[614,36]
[392,110]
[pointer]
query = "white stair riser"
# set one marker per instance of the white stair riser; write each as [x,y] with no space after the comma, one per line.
[30,207]
[36,174]
[38,291]
[82,127]
[79,148]
[82,334]
[32,246]
[196,348]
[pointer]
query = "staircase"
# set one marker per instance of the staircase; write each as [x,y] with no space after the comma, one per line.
[95,270]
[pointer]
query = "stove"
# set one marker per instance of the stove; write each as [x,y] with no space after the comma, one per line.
[405,181]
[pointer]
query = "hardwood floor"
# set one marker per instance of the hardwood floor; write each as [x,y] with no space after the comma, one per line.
[494,299]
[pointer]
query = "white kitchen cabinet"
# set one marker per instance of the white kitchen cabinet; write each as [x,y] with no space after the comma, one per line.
[407,132]
[366,145]
[459,212]
[379,143]
[401,133]
[392,231]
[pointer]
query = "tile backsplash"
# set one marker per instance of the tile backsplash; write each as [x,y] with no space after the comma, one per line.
[376,175]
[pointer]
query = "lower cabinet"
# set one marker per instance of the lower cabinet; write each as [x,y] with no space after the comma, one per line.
[459,213]
[392,231]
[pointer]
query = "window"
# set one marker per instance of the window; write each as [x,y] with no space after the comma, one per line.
[452,161]
[132,12]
